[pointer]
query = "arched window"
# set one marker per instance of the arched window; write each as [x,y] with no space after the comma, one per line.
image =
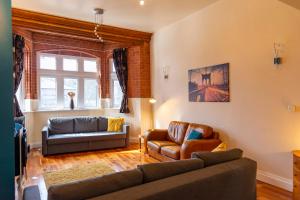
[60,74]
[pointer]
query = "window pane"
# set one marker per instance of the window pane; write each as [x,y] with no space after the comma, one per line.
[48,62]
[118,94]
[48,92]
[90,65]
[112,65]
[70,64]
[70,85]
[90,93]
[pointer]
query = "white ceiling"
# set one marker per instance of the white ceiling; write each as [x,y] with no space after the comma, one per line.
[121,13]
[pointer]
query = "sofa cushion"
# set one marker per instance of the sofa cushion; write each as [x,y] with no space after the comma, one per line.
[90,188]
[177,131]
[102,124]
[207,131]
[171,151]
[84,137]
[115,124]
[61,125]
[156,171]
[213,158]
[156,145]
[85,124]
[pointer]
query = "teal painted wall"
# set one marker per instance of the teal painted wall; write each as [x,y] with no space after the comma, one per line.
[6,107]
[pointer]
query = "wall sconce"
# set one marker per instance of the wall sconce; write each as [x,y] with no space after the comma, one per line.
[142,2]
[152,101]
[292,108]
[166,72]
[277,50]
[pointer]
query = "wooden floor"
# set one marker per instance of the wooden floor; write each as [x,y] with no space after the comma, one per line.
[119,160]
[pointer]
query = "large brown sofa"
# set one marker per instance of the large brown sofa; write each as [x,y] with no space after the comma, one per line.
[208,176]
[75,134]
[173,144]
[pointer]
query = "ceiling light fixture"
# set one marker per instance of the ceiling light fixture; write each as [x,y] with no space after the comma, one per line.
[142,2]
[99,22]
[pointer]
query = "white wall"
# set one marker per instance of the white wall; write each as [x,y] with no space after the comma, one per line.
[139,119]
[241,33]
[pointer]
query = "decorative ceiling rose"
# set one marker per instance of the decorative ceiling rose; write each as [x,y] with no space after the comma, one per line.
[99,22]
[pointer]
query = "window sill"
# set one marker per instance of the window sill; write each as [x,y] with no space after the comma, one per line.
[69,110]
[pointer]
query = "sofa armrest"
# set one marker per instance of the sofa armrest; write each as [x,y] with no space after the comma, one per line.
[45,134]
[126,131]
[31,193]
[154,134]
[190,146]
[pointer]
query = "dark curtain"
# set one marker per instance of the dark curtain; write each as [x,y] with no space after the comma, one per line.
[120,62]
[18,66]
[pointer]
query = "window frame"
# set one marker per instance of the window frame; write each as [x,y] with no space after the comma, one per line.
[61,74]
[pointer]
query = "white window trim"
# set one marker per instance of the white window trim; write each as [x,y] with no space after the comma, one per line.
[60,74]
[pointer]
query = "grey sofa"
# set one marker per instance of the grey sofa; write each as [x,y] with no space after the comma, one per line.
[75,134]
[207,176]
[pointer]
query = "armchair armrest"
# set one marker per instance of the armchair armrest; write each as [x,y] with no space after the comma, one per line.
[126,131]
[45,134]
[154,134]
[190,146]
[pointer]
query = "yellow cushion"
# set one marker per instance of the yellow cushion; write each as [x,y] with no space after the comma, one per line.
[115,124]
[221,147]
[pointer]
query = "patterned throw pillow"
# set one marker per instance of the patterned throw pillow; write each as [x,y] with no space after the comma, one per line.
[115,124]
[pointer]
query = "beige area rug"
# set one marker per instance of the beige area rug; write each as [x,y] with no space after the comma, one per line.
[76,173]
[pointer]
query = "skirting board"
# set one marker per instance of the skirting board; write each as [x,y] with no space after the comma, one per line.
[275,180]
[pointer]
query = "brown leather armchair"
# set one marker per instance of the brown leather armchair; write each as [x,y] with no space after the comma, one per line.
[173,144]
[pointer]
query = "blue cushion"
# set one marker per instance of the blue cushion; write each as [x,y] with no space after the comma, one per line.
[195,135]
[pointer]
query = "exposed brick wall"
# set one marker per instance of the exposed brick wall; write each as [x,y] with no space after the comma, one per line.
[139,79]
[134,64]
[138,61]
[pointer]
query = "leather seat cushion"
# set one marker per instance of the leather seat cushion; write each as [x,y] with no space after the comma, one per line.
[171,151]
[84,137]
[156,145]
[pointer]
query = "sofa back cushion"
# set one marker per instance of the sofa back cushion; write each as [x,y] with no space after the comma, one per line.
[85,124]
[102,124]
[207,131]
[61,125]
[177,131]
[213,158]
[156,171]
[94,187]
